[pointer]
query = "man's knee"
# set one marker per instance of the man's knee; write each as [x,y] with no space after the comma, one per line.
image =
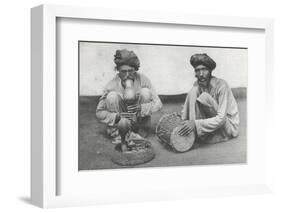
[207,104]
[113,97]
[145,95]
[207,100]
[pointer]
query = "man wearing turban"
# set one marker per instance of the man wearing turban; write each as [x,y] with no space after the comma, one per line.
[113,101]
[209,105]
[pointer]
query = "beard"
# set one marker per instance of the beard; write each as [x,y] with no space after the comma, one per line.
[203,81]
[129,77]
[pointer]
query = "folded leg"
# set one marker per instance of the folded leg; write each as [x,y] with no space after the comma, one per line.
[144,123]
[208,107]
[114,103]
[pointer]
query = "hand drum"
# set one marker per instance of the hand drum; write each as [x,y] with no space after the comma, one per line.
[167,131]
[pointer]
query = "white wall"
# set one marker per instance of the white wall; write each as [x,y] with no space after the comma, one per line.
[167,67]
[15,106]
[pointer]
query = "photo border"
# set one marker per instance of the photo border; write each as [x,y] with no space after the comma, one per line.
[143,44]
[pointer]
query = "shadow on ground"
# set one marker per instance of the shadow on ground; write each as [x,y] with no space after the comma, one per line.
[26,200]
[95,148]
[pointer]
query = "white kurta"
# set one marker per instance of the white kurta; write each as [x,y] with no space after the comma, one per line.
[214,110]
[107,116]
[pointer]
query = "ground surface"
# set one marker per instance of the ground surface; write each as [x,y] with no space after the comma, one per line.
[95,148]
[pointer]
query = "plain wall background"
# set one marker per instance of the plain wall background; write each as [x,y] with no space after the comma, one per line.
[15,105]
[167,67]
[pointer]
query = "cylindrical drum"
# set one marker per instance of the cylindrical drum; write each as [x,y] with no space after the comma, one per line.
[167,131]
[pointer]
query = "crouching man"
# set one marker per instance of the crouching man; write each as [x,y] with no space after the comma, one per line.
[210,105]
[128,92]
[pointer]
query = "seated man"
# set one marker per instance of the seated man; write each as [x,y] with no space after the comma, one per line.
[113,102]
[210,105]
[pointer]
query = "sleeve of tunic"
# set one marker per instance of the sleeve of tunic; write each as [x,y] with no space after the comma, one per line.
[184,111]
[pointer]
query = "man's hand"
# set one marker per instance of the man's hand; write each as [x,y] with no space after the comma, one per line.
[188,127]
[130,116]
[134,108]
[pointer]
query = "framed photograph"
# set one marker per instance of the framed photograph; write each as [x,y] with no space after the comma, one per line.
[132,106]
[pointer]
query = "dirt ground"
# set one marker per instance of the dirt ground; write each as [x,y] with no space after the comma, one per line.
[95,148]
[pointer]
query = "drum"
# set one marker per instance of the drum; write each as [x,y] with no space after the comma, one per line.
[167,131]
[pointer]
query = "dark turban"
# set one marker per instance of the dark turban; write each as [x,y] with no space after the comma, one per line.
[126,57]
[202,59]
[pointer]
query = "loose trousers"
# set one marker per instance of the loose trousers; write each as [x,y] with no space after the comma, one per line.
[115,103]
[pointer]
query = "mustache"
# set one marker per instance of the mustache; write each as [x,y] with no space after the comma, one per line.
[130,78]
[202,79]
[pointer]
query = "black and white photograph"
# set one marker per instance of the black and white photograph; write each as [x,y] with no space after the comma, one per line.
[160,105]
